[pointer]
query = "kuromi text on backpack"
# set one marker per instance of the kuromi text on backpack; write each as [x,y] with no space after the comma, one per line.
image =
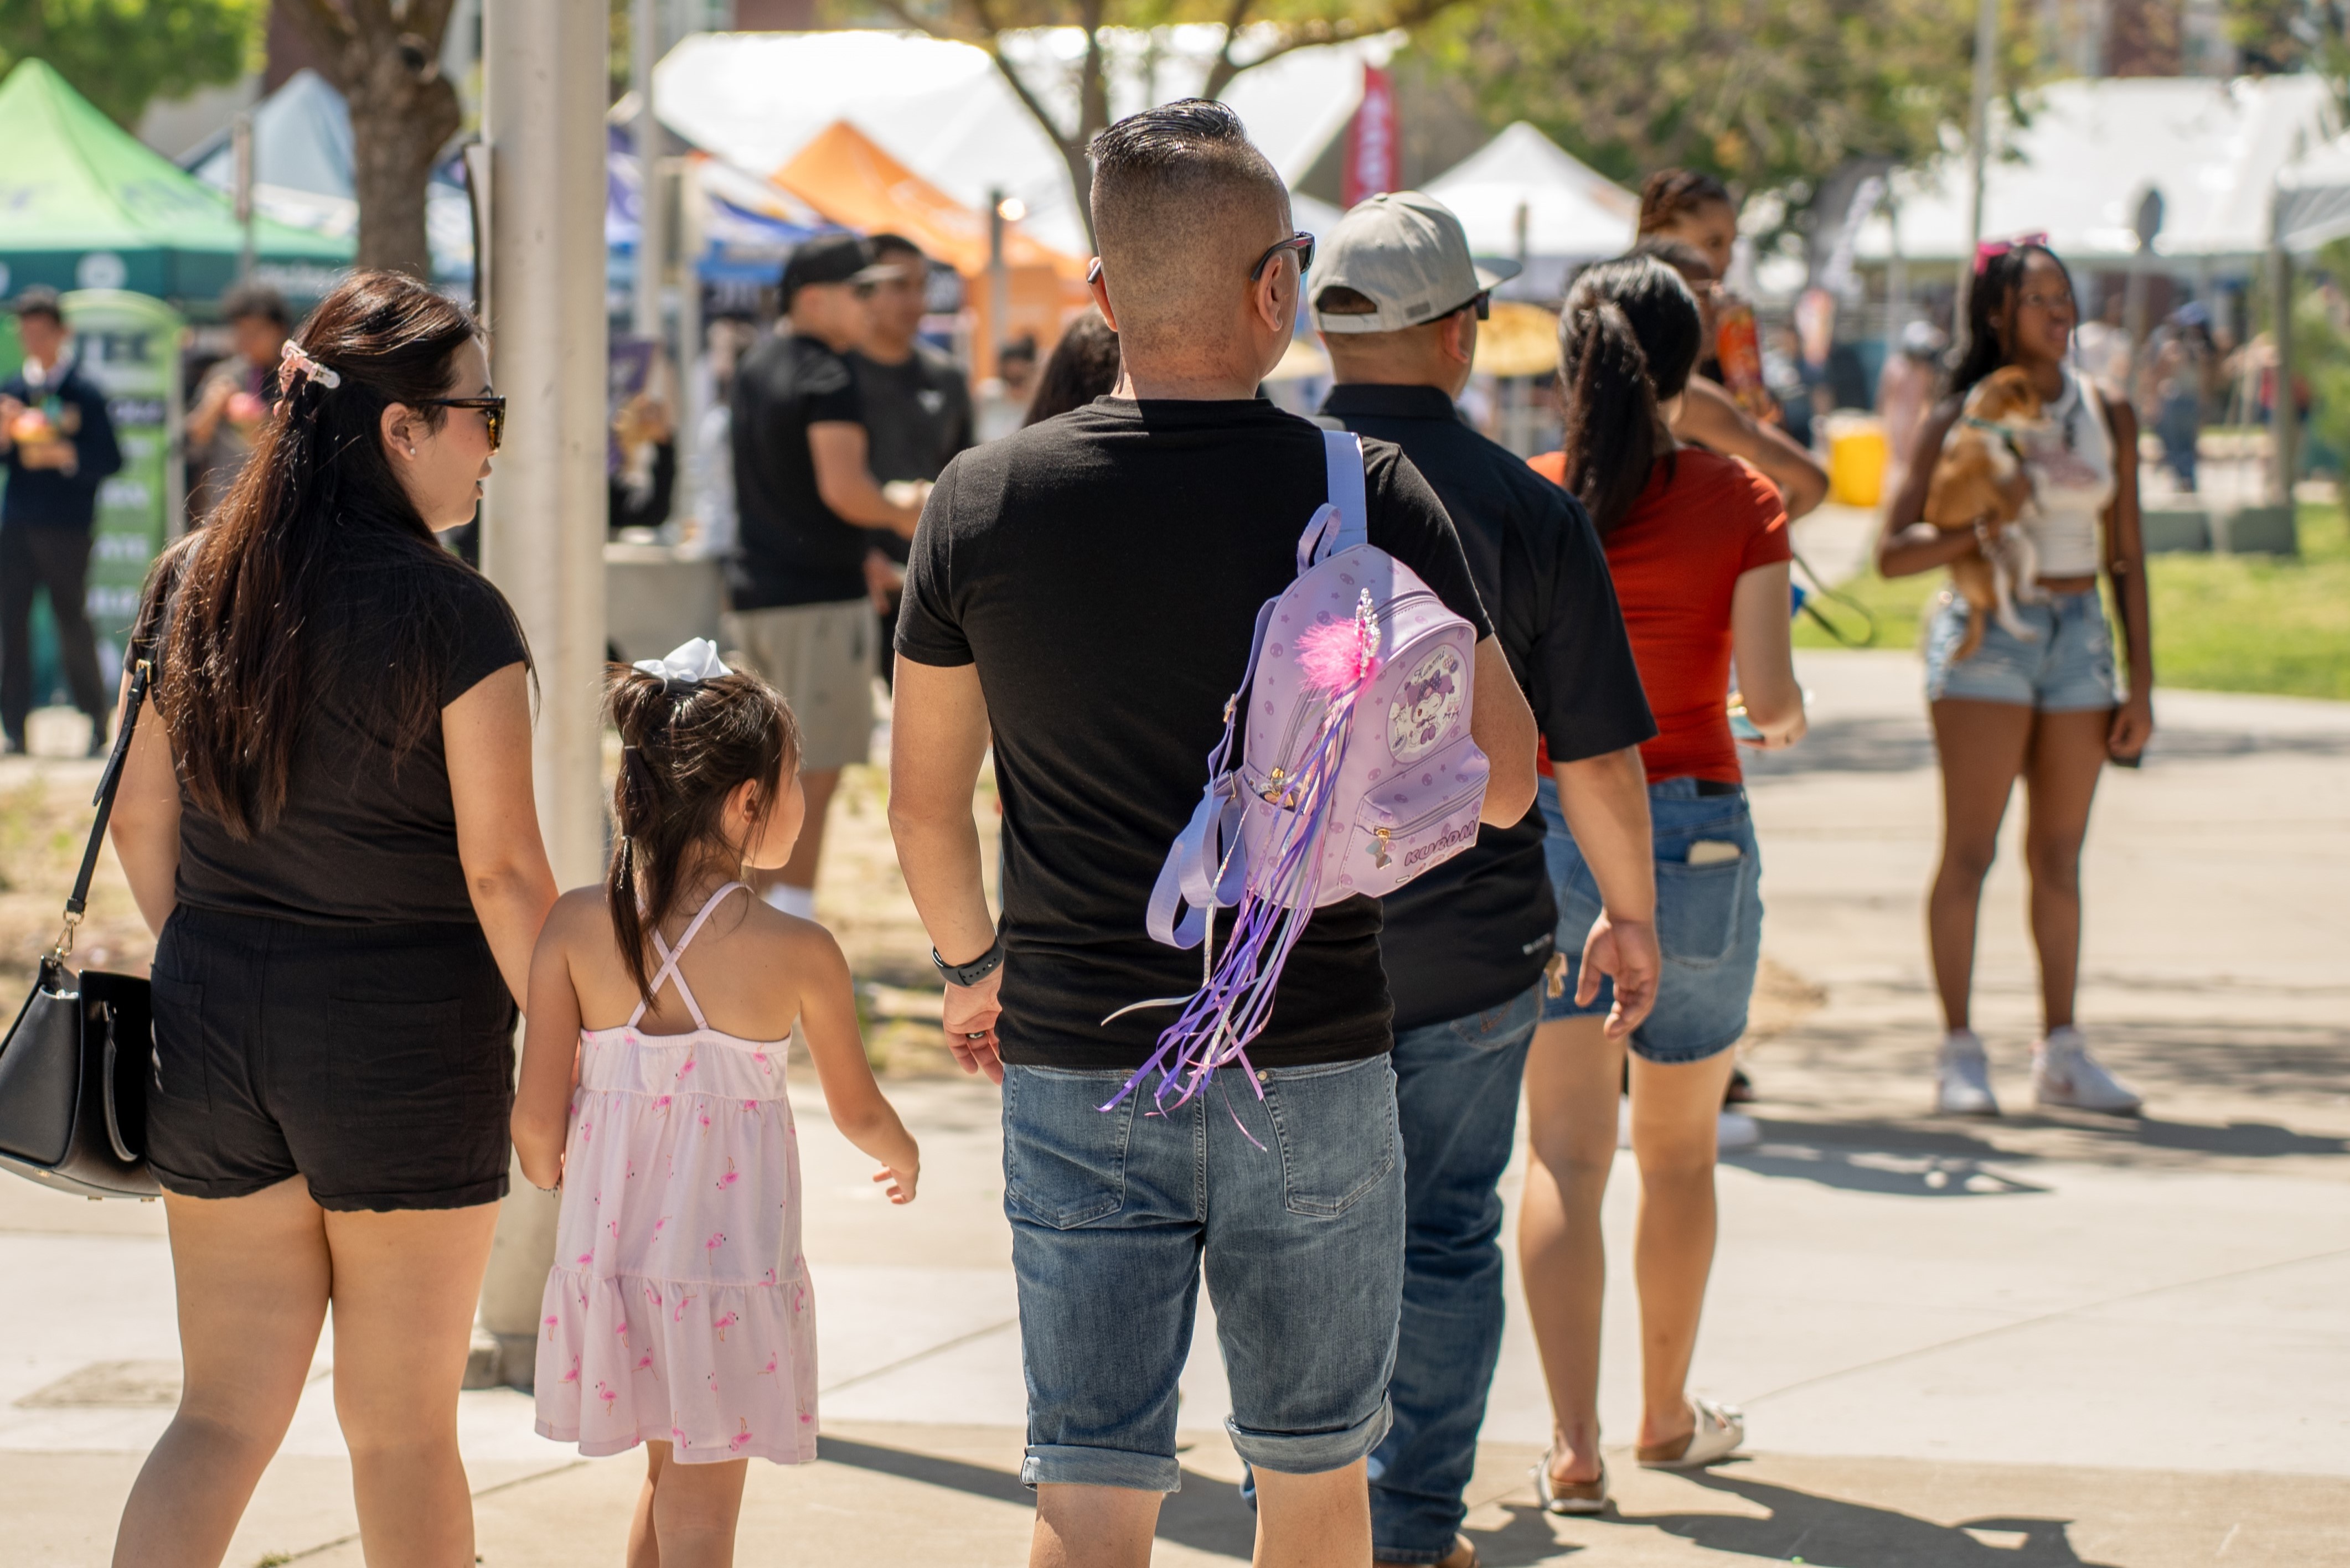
[1356,774]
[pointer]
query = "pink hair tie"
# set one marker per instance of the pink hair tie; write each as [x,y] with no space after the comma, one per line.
[1991,250]
[293,357]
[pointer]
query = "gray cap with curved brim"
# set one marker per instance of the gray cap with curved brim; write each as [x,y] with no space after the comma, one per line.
[1407,253]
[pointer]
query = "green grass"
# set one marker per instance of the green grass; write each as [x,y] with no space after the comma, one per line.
[2221,623]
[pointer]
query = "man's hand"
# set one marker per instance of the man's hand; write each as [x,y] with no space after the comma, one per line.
[1626,952]
[883,579]
[970,1014]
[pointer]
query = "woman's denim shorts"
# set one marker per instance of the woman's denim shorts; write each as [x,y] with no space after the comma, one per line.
[2067,669]
[1708,920]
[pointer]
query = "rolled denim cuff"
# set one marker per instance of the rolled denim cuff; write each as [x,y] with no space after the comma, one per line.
[1062,1464]
[1311,1453]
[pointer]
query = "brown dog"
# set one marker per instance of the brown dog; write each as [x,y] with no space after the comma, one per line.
[1979,480]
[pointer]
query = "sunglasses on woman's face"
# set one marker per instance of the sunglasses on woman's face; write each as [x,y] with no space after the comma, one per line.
[494,412]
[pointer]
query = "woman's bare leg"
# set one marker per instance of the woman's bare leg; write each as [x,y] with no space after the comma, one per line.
[252,1278]
[1674,1116]
[1571,1077]
[695,1512]
[405,1286]
[1982,747]
[2060,780]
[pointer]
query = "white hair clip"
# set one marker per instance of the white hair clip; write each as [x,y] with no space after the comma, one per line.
[691,662]
[294,357]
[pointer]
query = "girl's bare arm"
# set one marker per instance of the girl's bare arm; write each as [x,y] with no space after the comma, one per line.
[550,1048]
[827,1023]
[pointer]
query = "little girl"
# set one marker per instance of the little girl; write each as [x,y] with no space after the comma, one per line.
[677,1312]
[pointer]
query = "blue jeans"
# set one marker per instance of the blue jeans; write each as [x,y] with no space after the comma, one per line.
[1116,1214]
[1457,1095]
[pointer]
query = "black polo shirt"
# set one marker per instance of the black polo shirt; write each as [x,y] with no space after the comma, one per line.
[1476,930]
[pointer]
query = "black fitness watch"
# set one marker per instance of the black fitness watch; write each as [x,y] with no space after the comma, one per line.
[977,969]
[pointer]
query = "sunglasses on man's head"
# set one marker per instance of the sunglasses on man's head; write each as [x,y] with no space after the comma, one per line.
[1302,243]
[494,412]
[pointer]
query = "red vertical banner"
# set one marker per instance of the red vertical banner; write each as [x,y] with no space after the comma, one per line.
[1374,157]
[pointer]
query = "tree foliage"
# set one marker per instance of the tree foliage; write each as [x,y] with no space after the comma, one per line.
[1764,93]
[1254,31]
[123,55]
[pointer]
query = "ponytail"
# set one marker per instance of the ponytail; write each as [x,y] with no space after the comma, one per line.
[1627,339]
[685,746]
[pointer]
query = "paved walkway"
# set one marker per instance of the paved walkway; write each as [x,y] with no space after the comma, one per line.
[2046,1340]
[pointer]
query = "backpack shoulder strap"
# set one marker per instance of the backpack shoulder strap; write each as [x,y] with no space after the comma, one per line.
[1342,455]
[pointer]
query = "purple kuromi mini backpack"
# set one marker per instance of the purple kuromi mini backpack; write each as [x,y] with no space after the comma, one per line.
[1357,774]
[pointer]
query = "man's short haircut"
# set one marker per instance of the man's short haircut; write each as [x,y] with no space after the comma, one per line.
[255,300]
[1183,203]
[40,300]
[887,244]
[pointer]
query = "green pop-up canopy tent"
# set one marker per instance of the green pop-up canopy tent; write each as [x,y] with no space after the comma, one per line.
[83,204]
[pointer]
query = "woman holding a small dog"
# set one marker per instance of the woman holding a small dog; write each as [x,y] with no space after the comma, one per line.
[2025,485]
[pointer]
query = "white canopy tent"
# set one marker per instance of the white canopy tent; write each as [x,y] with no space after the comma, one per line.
[1523,197]
[2089,152]
[946,112]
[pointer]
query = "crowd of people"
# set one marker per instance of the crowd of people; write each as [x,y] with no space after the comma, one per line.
[331,831]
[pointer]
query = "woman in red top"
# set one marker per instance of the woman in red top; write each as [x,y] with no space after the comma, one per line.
[1697,545]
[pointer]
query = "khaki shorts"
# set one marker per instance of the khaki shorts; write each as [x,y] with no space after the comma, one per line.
[820,656]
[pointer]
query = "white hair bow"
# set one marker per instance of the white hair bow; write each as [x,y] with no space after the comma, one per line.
[695,659]
[293,357]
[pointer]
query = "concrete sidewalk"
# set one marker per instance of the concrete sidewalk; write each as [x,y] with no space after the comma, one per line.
[2045,1340]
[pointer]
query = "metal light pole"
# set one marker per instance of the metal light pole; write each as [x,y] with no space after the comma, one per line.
[1978,146]
[240,136]
[999,285]
[543,537]
[652,211]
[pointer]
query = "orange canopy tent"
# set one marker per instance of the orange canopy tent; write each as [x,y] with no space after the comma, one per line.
[844,175]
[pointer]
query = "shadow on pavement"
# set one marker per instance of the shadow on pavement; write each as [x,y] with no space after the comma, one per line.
[1901,1174]
[1207,1515]
[1826,1532]
[1894,746]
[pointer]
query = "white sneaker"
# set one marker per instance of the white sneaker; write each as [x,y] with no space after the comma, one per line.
[1962,1076]
[2064,1073]
[1736,1129]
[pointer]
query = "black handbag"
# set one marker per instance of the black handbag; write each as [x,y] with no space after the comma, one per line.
[75,1065]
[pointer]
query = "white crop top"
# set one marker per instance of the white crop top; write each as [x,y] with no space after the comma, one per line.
[2072,465]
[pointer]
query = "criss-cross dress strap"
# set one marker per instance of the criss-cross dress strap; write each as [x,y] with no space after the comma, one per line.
[670,955]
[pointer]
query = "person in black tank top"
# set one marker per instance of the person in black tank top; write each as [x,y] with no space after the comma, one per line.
[329,825]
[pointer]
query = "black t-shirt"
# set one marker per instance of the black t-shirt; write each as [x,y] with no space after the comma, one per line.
[919,415]
[367,837]
[792,550]
[1104,570]
[1476,930]
[49,497]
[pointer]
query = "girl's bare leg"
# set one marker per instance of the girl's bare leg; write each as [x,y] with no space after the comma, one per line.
[2060,780]
[1982,747]
[644,1546]
[1675,1110]
[695,1512]
[1573,1074]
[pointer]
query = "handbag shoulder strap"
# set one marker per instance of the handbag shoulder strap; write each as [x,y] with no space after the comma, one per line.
[109,783]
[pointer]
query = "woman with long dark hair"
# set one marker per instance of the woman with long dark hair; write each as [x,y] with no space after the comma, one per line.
[2045,710]
[1697,545]
[328,824]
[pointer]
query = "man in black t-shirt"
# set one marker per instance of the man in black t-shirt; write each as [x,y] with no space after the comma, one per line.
[56,447]
[917,407]
[1086,591]
[1466,945]
[799,612]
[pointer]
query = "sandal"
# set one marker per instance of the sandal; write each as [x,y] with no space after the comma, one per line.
[1572,1497]
[1718,1431]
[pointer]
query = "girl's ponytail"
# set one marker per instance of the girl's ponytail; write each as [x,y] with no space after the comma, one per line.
[1627,339]
[685,746]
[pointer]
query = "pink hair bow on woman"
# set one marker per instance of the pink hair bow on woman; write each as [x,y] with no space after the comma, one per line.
[1989,250]
[293,358]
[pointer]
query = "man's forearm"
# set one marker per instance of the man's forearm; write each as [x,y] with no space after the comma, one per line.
[1606,800]
[940,855]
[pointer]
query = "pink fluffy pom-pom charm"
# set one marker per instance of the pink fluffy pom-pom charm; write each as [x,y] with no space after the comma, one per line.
[1342,655]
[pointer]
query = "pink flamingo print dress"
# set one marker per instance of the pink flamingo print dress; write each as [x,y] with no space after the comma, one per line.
[678,1308]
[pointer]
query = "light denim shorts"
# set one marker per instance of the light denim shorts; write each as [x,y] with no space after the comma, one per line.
[1708,921]
[2067,669]
[1116,1214]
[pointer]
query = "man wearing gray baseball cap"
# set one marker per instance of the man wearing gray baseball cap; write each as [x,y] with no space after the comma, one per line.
[1467,946]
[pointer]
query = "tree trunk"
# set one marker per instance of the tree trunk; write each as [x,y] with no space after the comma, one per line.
[400,122]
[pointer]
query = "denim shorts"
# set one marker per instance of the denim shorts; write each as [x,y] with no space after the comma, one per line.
[2068,669]
[1115,1215]
[1708,921]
